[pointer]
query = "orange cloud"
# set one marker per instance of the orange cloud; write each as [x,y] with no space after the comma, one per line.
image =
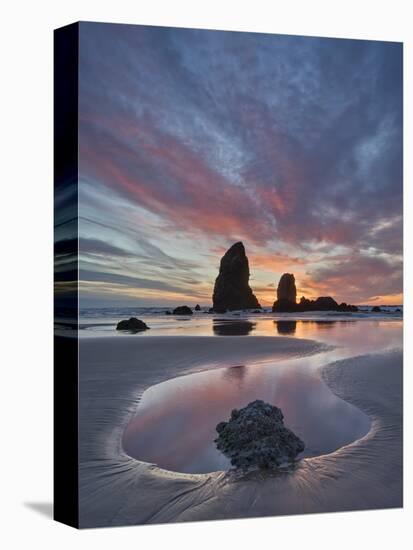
[274,262]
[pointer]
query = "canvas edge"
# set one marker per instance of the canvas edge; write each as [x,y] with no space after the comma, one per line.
[66,239]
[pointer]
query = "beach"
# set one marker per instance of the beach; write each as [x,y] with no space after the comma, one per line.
[115,371]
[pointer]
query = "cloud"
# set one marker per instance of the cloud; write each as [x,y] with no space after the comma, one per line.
[287,143]
[129,281]
[98,247]
[360,276]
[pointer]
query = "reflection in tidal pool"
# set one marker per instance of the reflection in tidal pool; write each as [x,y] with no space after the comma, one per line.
[223,327]
[175,422]
[286,327]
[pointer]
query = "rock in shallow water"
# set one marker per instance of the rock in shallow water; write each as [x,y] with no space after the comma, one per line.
[255,437]
[183,310]
[132,324]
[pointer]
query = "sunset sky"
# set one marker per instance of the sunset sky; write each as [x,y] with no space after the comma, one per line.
[192,140]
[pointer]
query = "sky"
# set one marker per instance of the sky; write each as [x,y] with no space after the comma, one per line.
[191,140]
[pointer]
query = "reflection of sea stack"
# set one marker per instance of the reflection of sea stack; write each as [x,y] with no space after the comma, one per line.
[232,328]
[232,290]
[287,295]
[286,327]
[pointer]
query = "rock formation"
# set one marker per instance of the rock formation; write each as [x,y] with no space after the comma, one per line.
[183,310]
[133,324]
[286,299]
[286,289]
[255,437]
[232,290]
[286,294]
[324,303]
[197,307]
[376,309]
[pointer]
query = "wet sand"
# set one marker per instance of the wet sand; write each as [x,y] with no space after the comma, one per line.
[118,490]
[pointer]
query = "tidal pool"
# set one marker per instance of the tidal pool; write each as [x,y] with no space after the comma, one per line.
[174,426]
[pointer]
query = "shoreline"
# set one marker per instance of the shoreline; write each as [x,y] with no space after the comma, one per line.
[143,493]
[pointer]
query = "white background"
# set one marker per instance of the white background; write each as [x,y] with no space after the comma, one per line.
[26,217]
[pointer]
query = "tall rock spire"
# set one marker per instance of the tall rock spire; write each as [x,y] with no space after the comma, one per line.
[286,289]
[232,290]
[286,294]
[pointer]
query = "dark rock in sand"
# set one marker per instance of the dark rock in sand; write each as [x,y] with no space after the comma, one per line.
[376,309]
[232,290]
[133,324]
[168,313]
[183,310]
[255,437]
[197,307]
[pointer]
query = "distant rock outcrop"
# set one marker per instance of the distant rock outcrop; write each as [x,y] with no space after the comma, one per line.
[376,309]
[324,303]
[255,437]
[232,290]
[286,300]
[133,325]
[183,310]
[197,307]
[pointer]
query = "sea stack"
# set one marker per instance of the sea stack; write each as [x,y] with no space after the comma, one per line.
[232,291]
[286,294]
[287,300]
